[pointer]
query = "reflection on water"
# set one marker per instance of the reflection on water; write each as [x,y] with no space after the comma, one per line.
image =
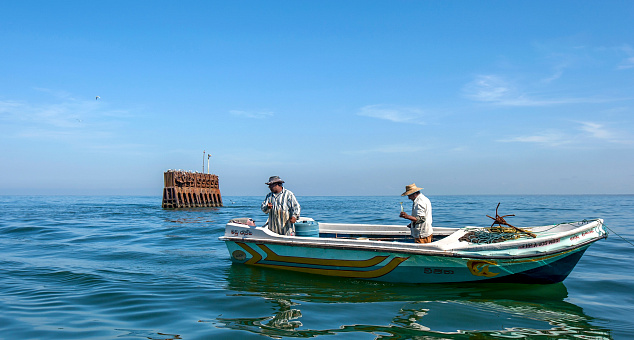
[298,303]
[189,217]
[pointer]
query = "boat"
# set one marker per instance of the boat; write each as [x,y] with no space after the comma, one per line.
[500,253]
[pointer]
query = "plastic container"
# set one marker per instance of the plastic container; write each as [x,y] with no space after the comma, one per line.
[307,229]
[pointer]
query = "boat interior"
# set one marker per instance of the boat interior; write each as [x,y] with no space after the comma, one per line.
[388,233]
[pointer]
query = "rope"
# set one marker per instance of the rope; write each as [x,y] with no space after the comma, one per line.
[618,235]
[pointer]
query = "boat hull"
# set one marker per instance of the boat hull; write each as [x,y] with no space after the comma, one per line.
[375,252]
[406,268]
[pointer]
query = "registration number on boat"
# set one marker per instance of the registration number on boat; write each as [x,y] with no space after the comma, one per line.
[437,271]
[241,232]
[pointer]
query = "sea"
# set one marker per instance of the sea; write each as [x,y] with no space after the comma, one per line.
[121,267]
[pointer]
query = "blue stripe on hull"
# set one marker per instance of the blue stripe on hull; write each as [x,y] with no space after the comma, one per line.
[544,273]
[554,272]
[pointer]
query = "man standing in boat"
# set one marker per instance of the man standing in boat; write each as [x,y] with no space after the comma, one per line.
[282,207]
[420,218]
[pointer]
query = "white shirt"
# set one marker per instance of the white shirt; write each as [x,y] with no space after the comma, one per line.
[421,209]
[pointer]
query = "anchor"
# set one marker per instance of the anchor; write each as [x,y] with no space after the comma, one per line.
[499,220]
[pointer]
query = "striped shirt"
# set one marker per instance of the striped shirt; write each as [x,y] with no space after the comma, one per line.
[285,206]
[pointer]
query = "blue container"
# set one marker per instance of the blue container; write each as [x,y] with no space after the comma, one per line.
[307,229]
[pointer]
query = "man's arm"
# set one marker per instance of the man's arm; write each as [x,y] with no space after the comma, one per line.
[295,208]
[266,204]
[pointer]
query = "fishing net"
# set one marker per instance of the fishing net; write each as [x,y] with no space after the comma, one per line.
[495,234]
[492,235]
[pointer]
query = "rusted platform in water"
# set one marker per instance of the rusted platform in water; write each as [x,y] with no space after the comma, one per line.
[184,189]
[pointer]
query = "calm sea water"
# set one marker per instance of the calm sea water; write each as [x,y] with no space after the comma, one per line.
[89,267]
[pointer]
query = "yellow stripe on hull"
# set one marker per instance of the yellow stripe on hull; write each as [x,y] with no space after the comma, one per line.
[293,261]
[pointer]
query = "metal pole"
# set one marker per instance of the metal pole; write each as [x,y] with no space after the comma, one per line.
[208,155]
[204,161]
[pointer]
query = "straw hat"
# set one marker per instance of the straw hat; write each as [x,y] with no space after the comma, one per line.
[410,189]
[274,179]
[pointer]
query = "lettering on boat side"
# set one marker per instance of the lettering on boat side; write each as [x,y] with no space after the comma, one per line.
[437,271]
[583,234]
[241,232]
[591,231]
[481,267]
[539,244]
[239,255]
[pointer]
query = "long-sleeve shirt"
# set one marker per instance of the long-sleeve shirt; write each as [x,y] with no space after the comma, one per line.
[421,209]
[285,206]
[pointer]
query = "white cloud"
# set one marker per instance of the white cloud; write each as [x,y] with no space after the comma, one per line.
[61,115]
[595,130]
[600,131]
[393,113]
[8,109]
[252,114]
[591,132]
[497,90]
[488,88]
[549,138]
[558,69]
[556,75]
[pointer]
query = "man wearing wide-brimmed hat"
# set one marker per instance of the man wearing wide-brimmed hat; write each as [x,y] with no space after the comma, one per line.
[282,207]
[420,219]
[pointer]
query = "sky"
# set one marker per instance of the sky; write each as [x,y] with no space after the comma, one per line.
[350,98]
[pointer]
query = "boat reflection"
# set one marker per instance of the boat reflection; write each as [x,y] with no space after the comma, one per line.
[308,306]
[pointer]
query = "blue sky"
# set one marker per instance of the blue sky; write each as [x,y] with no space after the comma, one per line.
[336,97]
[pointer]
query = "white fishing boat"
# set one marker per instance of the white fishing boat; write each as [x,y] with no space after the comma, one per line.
[501,253]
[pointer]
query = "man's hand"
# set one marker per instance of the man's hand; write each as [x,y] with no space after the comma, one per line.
[270,205]
[407,217]
[293,219]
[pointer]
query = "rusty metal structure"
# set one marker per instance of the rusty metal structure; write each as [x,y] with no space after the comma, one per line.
[185,189]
